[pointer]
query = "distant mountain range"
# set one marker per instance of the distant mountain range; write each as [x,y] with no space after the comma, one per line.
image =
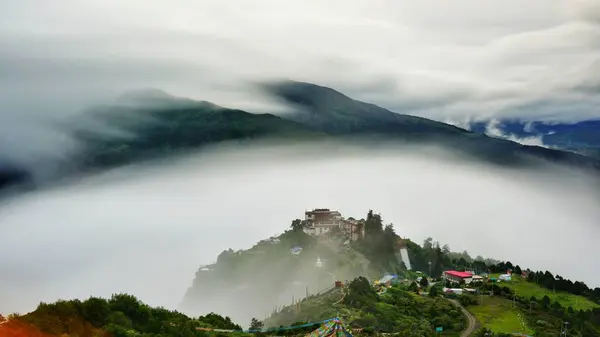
[582,136]
[158,125]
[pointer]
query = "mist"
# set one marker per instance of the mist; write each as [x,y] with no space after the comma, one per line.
[146,229]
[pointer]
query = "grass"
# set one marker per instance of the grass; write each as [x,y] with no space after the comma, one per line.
[528,289]
[497,314]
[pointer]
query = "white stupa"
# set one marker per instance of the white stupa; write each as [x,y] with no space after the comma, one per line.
[319,263]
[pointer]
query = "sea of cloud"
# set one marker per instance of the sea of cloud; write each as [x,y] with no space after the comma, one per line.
[146,230]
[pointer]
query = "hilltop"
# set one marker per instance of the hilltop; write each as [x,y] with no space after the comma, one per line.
[305,260]
[334,275]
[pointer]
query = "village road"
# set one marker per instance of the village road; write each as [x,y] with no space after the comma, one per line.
[472,321]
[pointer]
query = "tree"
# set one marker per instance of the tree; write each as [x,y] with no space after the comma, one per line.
[434,292]
[518,270]
[546,301]
[96,310]
[414,287]
[428,243]
[483,332]
[255,324]
[297,225]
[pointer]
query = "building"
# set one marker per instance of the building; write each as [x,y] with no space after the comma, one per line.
[388,280]
[322,220]
[477,278]
[458,276]
[354,229]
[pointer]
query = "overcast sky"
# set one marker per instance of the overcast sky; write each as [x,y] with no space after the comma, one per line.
[443,59]
[147,231]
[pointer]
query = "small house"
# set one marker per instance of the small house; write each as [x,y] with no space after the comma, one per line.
[458,276]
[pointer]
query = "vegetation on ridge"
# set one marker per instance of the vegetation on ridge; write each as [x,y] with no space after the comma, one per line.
[120,316]
[399,310]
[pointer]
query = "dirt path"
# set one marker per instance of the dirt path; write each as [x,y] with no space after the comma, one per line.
[472,322]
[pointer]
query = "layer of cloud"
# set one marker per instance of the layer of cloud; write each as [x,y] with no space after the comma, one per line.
[146,230]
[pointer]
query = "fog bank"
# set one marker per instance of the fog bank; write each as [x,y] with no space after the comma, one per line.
[146,230]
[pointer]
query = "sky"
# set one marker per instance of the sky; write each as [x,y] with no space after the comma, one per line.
[146,230]
[448,60]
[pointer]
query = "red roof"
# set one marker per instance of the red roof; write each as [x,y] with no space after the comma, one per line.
[461,274]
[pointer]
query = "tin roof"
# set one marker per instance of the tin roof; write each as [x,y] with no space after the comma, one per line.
[461,274]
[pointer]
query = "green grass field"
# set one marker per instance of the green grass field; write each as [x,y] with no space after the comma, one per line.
[528,289]
[497,314]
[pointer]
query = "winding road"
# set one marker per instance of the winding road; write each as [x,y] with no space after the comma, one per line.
[472,321]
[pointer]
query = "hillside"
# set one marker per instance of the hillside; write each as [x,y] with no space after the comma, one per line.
[510,310]
[511,307]
[120,316]
[253,282]
[158,125]
[324,109]
[155,125]
[523,287]
[535,303]
[158,129]
[268,278]
[398,310]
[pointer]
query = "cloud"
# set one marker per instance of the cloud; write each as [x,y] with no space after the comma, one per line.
[493,130]
[461,58]
[146,230]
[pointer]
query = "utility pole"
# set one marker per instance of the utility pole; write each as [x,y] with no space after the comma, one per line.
[564,327]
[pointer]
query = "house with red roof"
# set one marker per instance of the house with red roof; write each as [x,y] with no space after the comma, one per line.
[458,276]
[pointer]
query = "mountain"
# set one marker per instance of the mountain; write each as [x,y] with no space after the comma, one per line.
[159,124]
[327,110]
[170,127]
[151,124]
[582,136]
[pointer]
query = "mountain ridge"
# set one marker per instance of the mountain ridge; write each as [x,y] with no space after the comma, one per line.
[151,125]
[581,136]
